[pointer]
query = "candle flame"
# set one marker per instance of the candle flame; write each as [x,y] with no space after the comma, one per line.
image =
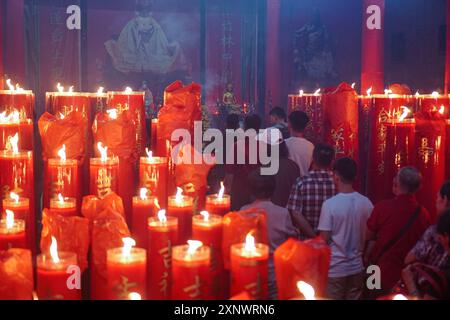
[103,151]
[13,143]
[417,94]
[71,89]
[60,198]
[162,216]
[307,290]
[221,191]
[387,92]
[405,113]
[194,245]
[12,117]
[205,215]
[179,195]
[300,93]
[134,296]
[128,244]
[250,243]
[61,116]
[14,196]
[9,219]
[100,90]
[435,94]
[369,91]
[62,153]
[54,250]
[112,113]
[19,88]
[399,297]
[156,203]
[60,88]
[442,110]
[149,153]
[353,85]
[10,86]
[143,193]
[128,90]
[317,92]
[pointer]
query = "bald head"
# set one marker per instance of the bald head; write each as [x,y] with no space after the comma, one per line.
[409,180]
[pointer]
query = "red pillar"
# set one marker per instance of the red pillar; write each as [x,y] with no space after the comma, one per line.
[372,65]
[447,58]
[273,70]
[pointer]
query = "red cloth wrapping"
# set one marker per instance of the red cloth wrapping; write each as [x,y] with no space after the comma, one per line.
[306,261]
[182,106]
[236,226]
[430,158]
[16,275]
[341,124]
[119,135]
[71,233]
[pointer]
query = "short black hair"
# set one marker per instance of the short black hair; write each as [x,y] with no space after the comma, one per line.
[445,190]
[261,186]
[346,169]
[299,120]
[443,224]
[232,121]
[323,155]
[278,112]
[252,121]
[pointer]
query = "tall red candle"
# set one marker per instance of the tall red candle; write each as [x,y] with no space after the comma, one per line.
[191,272]
[249,269]
[162,235]
[143,208]
[12,232]
[64,206]
[431,102]
[182,207]
[208,229]
[18,99]
[153,175]
[127,271]
[13,123]
[53,272]
[103,173]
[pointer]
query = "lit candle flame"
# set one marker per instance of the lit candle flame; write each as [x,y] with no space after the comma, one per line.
[417,94]
[71,89]
[100,90]
[442,110]
[61,116]
[353,85]
[103,151]
[399,297]
[194,245]
[162,216]
[62,153]
[60,88]
[9,219]
[179,195]
[128,244]
[54,250]
[387,92]
[156,203]
[250,246]
[10,86]
[205,215]
[18,88]
[134,296]
[435,94]
[14,196]
[300,93]
[128,90]
[149,153]
[143,193]
[12,117]
[221,191]
[369,91]
[112,113]
[307,290]
[60,198]
[317,92]
[14,142]
[405,113]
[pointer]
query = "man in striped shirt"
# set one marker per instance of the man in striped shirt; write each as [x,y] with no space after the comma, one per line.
[309,192]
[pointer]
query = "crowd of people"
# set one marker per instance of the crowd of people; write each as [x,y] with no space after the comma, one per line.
[313,195]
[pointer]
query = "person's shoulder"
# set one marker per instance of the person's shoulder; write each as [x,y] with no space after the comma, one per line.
[364,199]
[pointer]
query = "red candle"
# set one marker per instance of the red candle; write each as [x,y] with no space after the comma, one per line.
[18,99]
[12,232]
[181,207]
[431,102]
[104,173]
[191,271]
[162,235]
[219,203]
[62,177]
[153,175]
[66,207]
[208,229]
[143,208]
[13,123]
[249,269]
[53,272]
[126,271]
[19,205]
[135,103]
[154,134]
[447,152]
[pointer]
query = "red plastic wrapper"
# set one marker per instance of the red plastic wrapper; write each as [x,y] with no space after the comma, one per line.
[191,177]
[400,89]
[237,225]
[16,275]
[430,158]
[306,261]
[119,135]
[341,124]
[92,206]
[182,107]
[71,233]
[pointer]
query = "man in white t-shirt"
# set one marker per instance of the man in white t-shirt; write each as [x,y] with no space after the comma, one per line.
[300,149]
[342,224]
